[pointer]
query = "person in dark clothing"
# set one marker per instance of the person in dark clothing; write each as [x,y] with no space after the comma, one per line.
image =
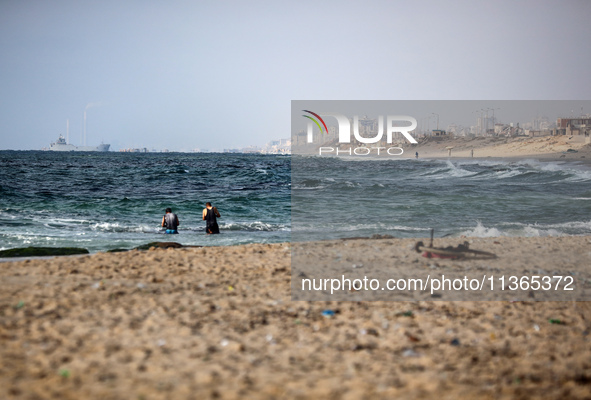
[170,221]
[209,215]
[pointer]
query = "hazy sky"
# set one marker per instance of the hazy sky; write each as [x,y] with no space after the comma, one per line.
[221,74]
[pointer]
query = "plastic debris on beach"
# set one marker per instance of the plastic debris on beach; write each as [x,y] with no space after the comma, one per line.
[405,314]
[556,321]
[98,285]
[412,337]
[64,373]
[328,313]
[410,353]
[461,251]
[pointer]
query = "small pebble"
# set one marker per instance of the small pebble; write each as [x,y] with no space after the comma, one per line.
[410,353]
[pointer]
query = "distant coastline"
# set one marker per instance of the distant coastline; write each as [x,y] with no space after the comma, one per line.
[557,148]
[547,148]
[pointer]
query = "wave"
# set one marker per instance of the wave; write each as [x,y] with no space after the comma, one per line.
[529,230]
[569,171]
[527,172]
[119,228]
[253,226]
[298,187]
[449,170]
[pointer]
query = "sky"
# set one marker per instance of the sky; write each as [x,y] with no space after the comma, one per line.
[222,74]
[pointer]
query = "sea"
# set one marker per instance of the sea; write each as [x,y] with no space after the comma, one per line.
[104,201]
[361,197]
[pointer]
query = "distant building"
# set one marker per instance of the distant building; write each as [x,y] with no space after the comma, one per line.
[509,130]
[499,128]
[283,146]
[573,126]
[251,149]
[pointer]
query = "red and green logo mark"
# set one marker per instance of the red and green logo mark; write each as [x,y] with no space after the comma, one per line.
[315,121]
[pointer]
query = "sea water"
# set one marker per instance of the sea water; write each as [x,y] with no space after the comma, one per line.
[102,201]
[356,196]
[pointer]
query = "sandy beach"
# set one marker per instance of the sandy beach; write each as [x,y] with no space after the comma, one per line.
[401,195]
[219,322]
[543,148]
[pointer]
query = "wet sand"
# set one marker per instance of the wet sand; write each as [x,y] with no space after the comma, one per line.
[220,323]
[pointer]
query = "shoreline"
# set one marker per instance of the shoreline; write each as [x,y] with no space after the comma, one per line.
[287,243]
[545,148]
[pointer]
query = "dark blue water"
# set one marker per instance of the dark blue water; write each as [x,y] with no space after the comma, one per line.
[336,196]
[102,201]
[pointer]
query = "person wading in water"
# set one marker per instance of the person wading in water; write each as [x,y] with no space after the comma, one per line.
[209,215]
[170,221]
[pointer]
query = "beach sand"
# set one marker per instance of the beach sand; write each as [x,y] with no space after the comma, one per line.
[544,148]
[219,322]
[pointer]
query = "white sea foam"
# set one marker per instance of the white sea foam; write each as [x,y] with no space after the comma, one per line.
[253,226]
[508,173]
[118,227]
[450,170]
[529,230]
[308,188]
[482,231]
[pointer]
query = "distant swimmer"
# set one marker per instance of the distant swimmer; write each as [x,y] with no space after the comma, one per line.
[209,215]
[170,221]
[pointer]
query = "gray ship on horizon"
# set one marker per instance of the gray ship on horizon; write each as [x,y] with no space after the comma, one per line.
[61,145]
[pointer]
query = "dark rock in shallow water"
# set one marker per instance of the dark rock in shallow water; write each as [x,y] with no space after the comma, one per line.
[378,236]
[162,245]
[42,251]
[157,245]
